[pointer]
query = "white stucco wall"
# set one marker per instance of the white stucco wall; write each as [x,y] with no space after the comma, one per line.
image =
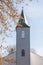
[36,59]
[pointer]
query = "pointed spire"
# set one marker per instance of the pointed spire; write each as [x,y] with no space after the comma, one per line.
[21,22]
[22,14]
[22,17]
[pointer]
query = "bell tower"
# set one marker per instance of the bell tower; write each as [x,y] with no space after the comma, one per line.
[22,42]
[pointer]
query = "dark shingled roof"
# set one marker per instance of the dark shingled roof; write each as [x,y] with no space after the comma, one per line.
[22,21]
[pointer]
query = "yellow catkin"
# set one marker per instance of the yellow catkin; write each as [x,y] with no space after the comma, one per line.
[19,25]
[0,60]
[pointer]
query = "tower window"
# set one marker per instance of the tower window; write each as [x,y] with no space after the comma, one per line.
[23,34]
[23,52]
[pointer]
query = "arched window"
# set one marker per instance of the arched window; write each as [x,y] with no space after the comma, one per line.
[23,52]
[23,34]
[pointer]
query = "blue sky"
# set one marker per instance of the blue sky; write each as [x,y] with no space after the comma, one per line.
[35,18]
[34,14]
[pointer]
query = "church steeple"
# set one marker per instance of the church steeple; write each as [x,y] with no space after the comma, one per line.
[23,41]
[21,22]
[22,13]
